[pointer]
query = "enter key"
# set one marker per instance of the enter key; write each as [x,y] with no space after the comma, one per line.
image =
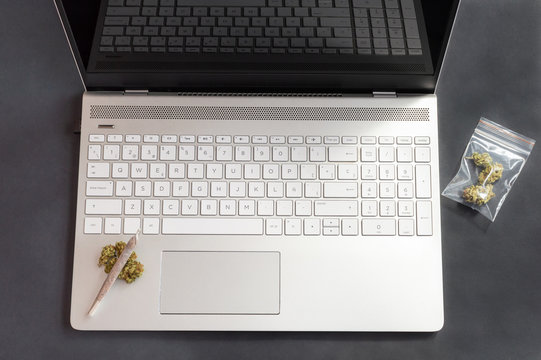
[340,190]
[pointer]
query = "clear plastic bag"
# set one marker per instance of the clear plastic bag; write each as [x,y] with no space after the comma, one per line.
[490,166]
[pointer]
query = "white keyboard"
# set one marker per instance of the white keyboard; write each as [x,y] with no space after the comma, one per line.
[259,185]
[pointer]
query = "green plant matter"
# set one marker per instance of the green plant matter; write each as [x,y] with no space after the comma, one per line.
[110,254]
[491,174]
[482,160]
[478,194]
[481,193]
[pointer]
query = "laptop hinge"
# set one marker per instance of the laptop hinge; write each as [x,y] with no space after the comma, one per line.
[135,92]
[384,94]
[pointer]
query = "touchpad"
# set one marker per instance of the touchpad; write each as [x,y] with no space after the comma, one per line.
[201,282]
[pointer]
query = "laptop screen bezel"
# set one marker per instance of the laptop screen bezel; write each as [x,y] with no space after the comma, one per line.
[266,82]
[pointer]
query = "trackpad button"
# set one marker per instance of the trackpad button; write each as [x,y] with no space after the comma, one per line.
[194,282]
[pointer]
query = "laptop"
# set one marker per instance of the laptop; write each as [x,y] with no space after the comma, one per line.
[280,158]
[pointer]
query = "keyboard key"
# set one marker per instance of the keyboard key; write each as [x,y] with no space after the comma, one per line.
[143,188]
[386,172]
[404,154]
[132,225]
[312,190]
[386,190]
[424,218]
[368,140]
[317,153]
[151,226]
[405,208]
[151,207]
[114,138]
[103,207]
[303,207]
[293,227]
[336,208]
[405,227]
[298,153]
[340,190]
[113,226]
[122,11]
[368,190]
[422,182]
[93,225]
[149,152]
[342,153]
[368,154]
[212,226]
[157,170]
[331,231]
[133,138]
[273,227]
[369,172]
[97,170]
[327,172]
[405,190]
[284,208]
[330,12]
[374,227]
[277,139]
[403,140]
[422,140]
[387,208]
[350,227]
[132,207]
[96,138]
[350,140]
[111,152]
[410,26]
[331,222]
[347,172]
[422,154]
[386,154]
[205,138]
[369,208]
[312,227]
[130,152]
[94,152]
[168,153]
[339,43]
[99,188]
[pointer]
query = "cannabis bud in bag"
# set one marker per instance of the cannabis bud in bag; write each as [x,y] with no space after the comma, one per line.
[490,166]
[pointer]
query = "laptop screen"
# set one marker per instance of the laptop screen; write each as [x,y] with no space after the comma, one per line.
[259,45]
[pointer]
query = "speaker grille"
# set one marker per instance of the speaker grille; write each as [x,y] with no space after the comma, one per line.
[258,113]
[119,65]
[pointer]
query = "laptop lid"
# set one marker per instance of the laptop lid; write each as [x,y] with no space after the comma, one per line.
[84,22]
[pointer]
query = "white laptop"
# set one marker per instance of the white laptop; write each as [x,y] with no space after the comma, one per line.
[280,158]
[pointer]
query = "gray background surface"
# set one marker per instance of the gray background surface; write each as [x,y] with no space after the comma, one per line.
[492,272]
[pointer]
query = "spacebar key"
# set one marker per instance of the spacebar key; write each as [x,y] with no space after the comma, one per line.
[198,226]
[237,3]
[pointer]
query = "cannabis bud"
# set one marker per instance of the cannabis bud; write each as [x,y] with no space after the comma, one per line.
[478,194]
[109,255]
[491,174]
[482,160]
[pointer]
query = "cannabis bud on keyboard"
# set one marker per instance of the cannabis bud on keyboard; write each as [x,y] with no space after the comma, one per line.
[110,254]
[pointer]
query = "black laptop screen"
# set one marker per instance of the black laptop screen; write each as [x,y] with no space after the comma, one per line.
[259,45]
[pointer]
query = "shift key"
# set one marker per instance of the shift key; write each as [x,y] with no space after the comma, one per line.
[340,43]
[331,12]
[335,21]
[336,208]
[103,207]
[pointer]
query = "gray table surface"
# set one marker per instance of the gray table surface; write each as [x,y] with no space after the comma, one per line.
[492,272]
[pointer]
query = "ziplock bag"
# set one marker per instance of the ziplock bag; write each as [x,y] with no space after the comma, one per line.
[490,166]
